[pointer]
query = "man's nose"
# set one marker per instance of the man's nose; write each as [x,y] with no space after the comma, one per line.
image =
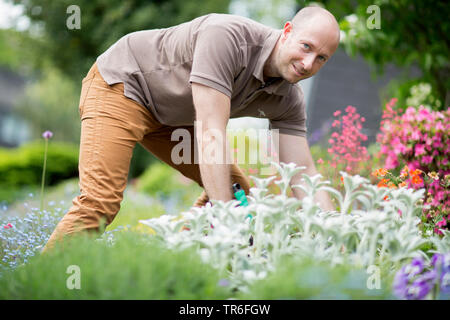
[308,62]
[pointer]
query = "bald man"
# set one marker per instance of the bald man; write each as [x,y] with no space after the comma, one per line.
[151,83]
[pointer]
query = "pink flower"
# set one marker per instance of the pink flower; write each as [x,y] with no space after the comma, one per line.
[415,135]
[427,159]
[419,149]
[442,223]
[320,161]
[424,114]
[391,162]
[350,109]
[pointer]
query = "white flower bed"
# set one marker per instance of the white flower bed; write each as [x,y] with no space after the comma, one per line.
[377,234]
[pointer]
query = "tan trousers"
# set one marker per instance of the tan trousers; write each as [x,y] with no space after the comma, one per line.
[111,125]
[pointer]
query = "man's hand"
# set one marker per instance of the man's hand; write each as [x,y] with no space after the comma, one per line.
[212,114]
[295,149]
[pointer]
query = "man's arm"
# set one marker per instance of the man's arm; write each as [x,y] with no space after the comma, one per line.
[295,149]
[212,110]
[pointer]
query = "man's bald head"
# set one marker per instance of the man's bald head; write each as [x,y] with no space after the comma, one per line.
[322,18]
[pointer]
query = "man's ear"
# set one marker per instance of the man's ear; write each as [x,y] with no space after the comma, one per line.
[287,30]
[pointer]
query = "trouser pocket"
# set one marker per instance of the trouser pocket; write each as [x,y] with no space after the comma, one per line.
[86,85]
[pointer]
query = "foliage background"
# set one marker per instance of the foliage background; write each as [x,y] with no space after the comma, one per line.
[54,59]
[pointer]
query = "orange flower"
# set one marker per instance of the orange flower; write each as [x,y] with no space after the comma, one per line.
[415,172]
[383,183]
[416,180]
[380,172]
[404,172]
[391,185]
[402,184]
[386,198]
[342,179]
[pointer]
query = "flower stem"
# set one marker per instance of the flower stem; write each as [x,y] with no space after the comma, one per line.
[43,175]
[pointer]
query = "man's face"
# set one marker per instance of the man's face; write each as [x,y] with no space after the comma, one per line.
[303,52]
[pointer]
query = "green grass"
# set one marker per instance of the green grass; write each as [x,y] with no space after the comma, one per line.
[135,207]
[134,268]
[297,278]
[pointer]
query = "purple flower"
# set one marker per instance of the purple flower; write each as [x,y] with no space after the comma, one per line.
[436,260]
[401,283]
[47,134]
[416,267]
[445,282]
[223,283]
[441,264]
[418,290]
[421,285]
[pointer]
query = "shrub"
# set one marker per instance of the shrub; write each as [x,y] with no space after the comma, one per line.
[412,92]
[23,166]
[127,268]
[158,180]
[140,161]
[363,168]
[420,139]
[346,141]
[51,102]
[21,238]
[373,234]
[170,187]
[346,151]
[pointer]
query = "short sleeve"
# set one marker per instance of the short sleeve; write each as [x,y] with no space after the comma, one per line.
[216,59]
[293,120]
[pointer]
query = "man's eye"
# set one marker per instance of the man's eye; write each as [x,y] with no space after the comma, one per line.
[322,58]
[306,46]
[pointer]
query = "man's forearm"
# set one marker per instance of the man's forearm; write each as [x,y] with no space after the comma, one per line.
[322,197]
[216,181]
[215,172]
[212,113]
[295,149]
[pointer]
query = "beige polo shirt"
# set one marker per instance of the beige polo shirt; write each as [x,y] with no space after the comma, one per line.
[222,51]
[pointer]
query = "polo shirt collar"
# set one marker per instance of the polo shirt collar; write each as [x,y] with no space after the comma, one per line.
[279,87]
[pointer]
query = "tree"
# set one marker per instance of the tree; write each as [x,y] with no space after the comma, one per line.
[102,22]
[59,56]
[412,32]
